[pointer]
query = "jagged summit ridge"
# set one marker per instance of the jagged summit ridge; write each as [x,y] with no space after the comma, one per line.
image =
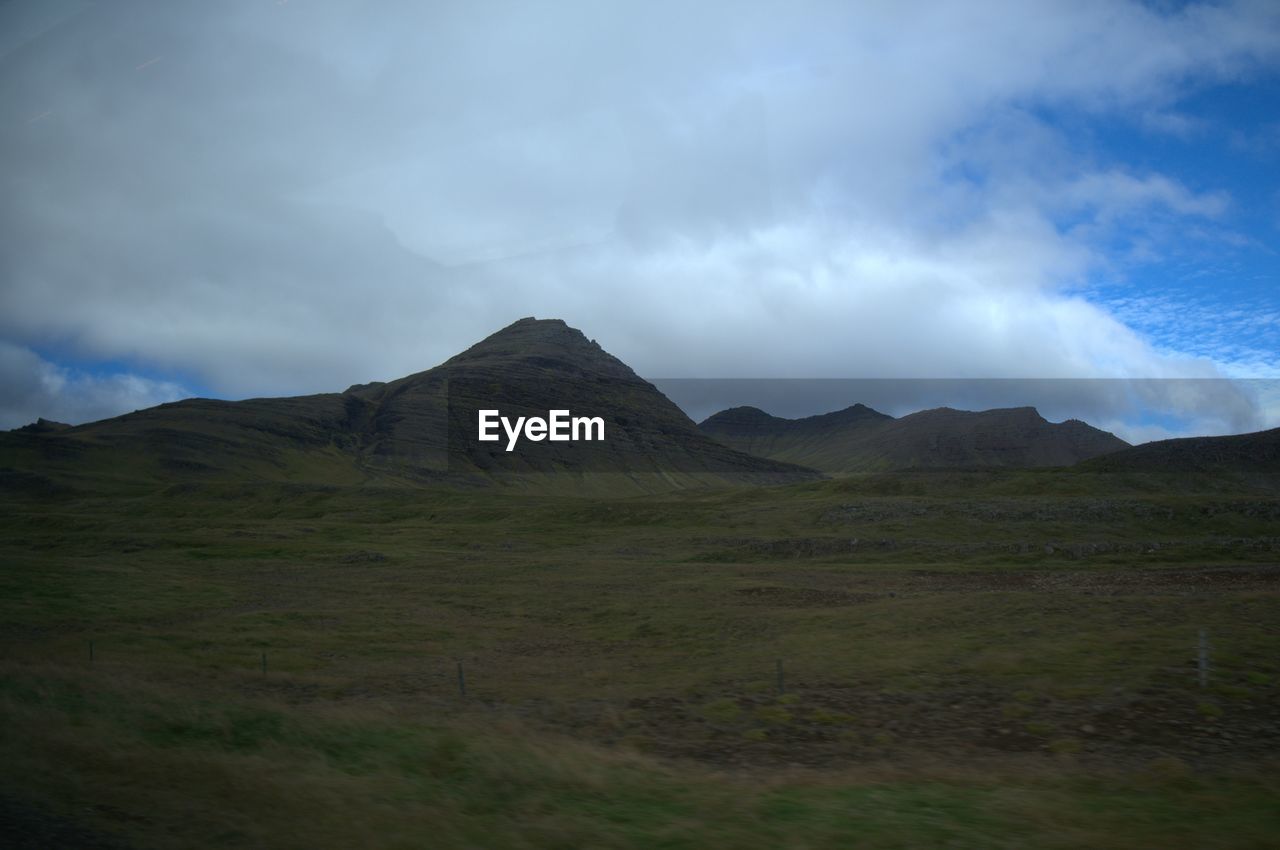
[748,420]
[859,439]
[43,426]
[549,342]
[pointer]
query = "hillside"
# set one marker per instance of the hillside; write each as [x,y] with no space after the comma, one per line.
[417,429]
[1258,452]
[859,439]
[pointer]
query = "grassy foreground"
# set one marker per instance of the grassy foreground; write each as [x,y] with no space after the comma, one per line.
[169,770]
[968,660]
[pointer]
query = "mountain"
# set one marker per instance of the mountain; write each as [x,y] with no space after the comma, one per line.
[1258,452]
[420,428]
[825,439]
[859,439]
[526,369]
[43,426]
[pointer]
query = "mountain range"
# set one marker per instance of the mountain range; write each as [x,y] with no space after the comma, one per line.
[413,430]
[859,439]
[421,429]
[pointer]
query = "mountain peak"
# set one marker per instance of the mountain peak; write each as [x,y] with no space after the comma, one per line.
[853,413]
[1011,414]
[744,413]
[43,426]
[532,326]
[740,420]
[422,427]
[547,342]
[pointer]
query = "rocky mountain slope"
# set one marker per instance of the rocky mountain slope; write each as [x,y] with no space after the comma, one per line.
[1258,452]
[859,439]
[416,429]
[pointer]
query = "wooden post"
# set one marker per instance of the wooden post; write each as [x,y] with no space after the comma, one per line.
[462,682]
[782,688]
[1203,660]
[264,662]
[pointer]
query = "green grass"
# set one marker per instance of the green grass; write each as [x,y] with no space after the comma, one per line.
[620,657]
[213,773]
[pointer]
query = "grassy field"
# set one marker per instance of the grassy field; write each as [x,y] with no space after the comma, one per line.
[985,659]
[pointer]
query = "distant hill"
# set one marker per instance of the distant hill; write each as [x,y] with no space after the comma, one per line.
[859,439]
[1257,452]
[407,430]
[43,426]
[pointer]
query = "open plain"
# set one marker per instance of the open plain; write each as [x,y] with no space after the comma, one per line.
[990,658]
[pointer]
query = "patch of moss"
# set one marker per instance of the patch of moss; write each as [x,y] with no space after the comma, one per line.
[725,710]
[831,718]
[1065,746]
[773,714]
[640,743]
[1233,691]
[1038,728]
[1168,769]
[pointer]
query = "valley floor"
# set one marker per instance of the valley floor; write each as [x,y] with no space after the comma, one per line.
[917,660]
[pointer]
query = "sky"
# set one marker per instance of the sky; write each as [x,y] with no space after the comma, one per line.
[279,197]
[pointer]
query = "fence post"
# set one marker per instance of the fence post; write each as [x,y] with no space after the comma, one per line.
[1203,660]
[462,682]
[264,662]
[782,688]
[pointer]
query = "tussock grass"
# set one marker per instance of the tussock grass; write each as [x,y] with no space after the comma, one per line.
[166,771]
[620,655]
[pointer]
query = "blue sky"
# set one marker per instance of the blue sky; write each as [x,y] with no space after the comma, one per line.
[1213,289]
[257,198]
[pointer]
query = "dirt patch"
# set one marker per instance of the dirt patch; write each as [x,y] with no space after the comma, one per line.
[729,550]
[834,587]
[833,726]
[802,597]
[1116,582]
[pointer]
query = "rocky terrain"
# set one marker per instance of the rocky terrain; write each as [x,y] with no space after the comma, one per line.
[859,439]
[417,429]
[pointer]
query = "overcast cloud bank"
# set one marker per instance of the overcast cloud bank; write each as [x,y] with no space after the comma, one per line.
[289,198]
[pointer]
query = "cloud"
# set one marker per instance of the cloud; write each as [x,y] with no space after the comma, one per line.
[36,388]
[303,196]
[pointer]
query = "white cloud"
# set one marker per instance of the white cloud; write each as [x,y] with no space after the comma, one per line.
[308,195]
[36,388]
